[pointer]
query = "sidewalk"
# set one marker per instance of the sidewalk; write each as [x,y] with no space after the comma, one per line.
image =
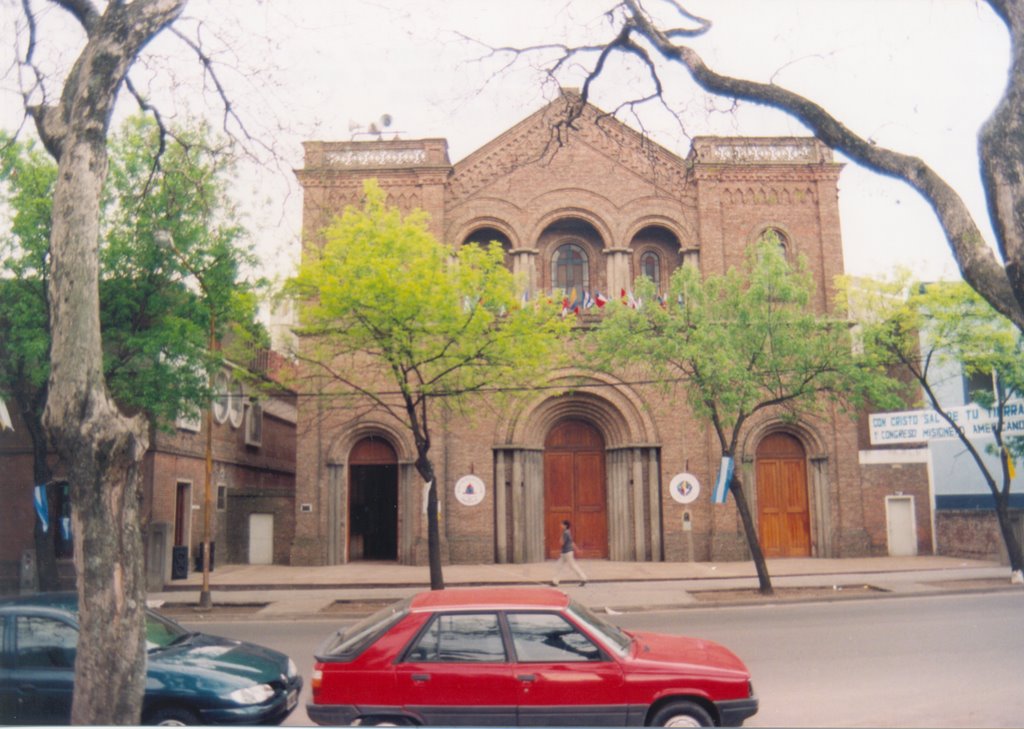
[285,592]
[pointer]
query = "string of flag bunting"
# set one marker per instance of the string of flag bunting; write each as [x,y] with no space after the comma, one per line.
[578,301]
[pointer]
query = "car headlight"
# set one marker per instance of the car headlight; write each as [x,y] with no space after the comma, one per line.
[252,694]
[293,670]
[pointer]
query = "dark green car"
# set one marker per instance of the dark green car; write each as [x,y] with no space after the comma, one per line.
[191,678]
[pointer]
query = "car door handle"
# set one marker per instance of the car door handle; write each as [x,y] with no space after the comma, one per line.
[527,677]
[27,688]
[420,677]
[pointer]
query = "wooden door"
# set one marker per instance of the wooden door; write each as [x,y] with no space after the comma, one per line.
[784,524]
[182,513]
[574,489]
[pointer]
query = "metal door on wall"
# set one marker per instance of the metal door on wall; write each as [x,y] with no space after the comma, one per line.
[783,515]
[901,526]
[261,539]
[575,489]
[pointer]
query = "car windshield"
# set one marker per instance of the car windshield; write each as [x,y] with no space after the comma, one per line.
[353,640]
[611,636]
[161,632]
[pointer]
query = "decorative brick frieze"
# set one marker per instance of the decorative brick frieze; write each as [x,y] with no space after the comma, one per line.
[760,151]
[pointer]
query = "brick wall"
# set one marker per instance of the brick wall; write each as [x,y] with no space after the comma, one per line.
[880,481]
[611,192]
[974,533]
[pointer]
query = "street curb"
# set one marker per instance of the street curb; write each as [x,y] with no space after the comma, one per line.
[186,611]
[266,587]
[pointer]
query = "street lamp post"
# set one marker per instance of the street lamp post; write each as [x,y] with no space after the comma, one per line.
[163,238]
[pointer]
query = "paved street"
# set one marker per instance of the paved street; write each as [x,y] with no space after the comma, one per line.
[937,660]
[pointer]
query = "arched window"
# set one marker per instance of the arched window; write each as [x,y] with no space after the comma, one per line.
[774,235]
[650,266]
[570,269]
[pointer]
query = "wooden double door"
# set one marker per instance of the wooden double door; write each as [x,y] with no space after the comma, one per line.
[575,489]
[784,523]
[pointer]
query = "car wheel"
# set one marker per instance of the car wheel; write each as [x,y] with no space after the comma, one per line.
[172,716]
[682,713]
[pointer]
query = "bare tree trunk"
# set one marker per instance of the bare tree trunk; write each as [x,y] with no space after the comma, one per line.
[1013,546]
[426,469]
[101,448]
[103,453]
[1002,501]
[738,493]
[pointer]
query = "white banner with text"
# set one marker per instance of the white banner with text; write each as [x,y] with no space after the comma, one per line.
[918,426]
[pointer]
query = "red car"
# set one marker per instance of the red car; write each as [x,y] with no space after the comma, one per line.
[520,656]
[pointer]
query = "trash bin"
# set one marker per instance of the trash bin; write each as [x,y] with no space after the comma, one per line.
[179,562]
[199,556]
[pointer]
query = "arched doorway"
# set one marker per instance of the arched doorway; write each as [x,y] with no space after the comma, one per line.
[783,515]
[373,501]
[574,489]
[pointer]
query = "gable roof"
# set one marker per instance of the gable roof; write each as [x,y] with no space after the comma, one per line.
[544,133]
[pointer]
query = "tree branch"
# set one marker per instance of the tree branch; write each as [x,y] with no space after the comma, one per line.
[977,261]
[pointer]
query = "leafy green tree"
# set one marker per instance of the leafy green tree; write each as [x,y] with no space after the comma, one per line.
[744,343]
[394,316]
[922,329]
[154,321]
[154,313]
[29,176]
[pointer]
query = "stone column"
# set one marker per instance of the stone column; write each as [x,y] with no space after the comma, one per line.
[618,505]
[533,477]
[637,486]
[821,524]
[500,514]
[618,272]
[335,547]
[654,489]
[518,508]
[524,263]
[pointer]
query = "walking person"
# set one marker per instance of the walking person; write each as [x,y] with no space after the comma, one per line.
[568,557]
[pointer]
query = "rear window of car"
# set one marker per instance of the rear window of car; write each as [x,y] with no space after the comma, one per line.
[349,642]
[460,638]
[44,642]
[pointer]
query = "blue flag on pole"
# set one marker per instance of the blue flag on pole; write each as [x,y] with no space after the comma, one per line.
[42,510]
[721,489]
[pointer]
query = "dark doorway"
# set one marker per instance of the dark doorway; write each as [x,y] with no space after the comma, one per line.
[373,501]
[182,512]
[574,489]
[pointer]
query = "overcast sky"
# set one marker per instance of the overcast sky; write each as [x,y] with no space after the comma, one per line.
[916,75]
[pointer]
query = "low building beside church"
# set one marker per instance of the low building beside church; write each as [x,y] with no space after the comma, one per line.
[590,207]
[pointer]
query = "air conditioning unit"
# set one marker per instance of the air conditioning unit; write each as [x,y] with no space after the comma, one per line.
[254,424]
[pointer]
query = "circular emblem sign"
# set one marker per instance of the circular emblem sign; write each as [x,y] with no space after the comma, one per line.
[684,488]
[469,490]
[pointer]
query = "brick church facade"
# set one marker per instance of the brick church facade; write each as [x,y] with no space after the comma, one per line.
[592,207]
